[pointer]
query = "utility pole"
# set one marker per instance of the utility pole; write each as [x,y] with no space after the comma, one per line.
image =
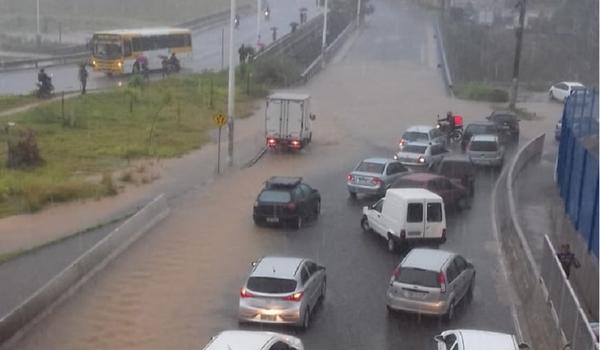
[358,13]
[324,37]
[231,87]
[519,44]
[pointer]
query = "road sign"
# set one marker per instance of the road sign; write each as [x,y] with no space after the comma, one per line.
[219,119]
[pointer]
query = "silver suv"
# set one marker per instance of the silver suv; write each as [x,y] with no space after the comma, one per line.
[486,150]
[432,282]
[282,290]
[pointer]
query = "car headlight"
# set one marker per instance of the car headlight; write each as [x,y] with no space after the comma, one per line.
[421,159]
[120,64]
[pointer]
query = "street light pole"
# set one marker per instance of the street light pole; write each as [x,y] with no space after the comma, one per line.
[324,37]
[358,13]
[38,37]
[258,14]
[231,86]
[519,44]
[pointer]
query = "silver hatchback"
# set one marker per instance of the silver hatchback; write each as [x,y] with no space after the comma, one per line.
[431,282]
[373,176]
[282,290]
[486,150]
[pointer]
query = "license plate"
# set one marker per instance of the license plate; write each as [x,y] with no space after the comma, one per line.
[272,220]
[268,317]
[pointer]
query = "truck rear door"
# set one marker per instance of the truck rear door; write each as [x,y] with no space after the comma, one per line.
[295,119]
[274,119]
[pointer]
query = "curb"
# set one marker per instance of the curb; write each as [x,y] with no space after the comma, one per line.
[18,321]
[256,158]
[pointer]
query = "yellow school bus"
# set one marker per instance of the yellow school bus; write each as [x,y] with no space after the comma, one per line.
[116,51]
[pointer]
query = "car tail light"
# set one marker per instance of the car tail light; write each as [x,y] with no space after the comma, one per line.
[294,297]
[245,294]
[402,234]
[349,177]
[442,282]
[376,181]
[291,206]
[271,142]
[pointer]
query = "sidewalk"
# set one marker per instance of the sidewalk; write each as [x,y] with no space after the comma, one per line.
[541,212]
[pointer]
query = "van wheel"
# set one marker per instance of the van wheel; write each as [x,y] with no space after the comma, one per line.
[364,223]
[391,243]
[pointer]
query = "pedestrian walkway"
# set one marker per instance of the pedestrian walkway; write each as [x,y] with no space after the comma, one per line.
[541,212]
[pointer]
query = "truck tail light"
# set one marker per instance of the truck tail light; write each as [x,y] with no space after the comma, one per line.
[271,142]
[295,143]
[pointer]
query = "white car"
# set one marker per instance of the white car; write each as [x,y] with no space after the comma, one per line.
[249,340]
[468,339]
[422,133]
[421,154]
[562,90]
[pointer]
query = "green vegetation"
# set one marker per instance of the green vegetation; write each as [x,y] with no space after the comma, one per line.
[13,101]
[480,92]
[97,134]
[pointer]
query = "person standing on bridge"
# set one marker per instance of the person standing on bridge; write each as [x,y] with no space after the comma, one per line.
[567,259]
[83,75]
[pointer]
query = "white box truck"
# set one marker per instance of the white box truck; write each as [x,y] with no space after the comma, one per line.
[288,120]
[407,215]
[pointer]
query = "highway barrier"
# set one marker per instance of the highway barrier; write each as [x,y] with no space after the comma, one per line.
[67,282]
[533,311]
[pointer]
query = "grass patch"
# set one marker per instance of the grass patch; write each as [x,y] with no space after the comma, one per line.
[97,134]
[480,92]
[524,114]
[13,101]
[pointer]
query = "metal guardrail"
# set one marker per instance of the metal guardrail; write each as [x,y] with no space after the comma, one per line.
[330,50]
[565,305]
[84,53]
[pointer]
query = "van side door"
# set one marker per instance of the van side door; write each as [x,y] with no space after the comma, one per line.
[375,218]
[434,224]
[415,225]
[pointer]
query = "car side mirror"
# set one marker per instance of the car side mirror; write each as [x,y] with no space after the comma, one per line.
[523,346]
[439,338]
[312,117]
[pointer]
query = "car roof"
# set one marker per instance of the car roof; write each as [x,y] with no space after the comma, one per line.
[418,143]
[277,266]
[413,193]
[484,137]
[228,340]
[428,259]
[476,339]
[378,160]
[420,128]
[294,96]
[420,176]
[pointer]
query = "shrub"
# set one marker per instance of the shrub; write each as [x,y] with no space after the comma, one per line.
[481,92]
[280,71]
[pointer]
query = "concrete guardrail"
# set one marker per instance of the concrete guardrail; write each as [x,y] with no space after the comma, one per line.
[16,322]
[533,311]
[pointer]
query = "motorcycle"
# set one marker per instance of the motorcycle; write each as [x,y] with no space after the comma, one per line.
[44,90]
[170,66]
[452,134]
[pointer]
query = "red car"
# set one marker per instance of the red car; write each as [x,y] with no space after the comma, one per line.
[451,191]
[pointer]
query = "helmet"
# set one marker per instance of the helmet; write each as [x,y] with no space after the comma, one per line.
[449,114]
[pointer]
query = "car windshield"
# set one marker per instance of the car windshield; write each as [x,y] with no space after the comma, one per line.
[272,196]
[419,277]
[478,129]
[271,285]
[370,167]
[414,149]
[484,146]
[415,136]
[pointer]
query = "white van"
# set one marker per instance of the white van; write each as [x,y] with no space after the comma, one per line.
[407,215]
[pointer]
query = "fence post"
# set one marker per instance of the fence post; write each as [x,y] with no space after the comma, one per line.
[594,217]
[580,192]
